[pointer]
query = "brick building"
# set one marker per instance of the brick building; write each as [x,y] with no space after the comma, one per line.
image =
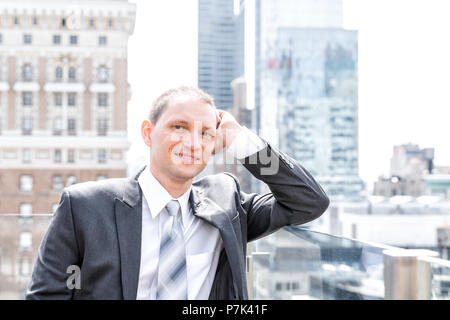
[63,97]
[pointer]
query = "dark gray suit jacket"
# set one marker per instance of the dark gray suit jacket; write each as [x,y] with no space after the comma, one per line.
[98,227]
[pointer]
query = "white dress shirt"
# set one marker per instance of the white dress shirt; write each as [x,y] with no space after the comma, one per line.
[203,241]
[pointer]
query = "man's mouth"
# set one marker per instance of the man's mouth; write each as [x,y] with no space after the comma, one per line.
[187,157]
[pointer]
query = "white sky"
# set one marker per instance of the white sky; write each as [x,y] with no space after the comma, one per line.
[404,68]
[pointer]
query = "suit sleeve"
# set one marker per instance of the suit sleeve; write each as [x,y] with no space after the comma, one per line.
[58,251]
[295,198]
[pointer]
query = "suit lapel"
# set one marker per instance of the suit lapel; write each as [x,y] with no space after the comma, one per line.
[209,211]
[128,211]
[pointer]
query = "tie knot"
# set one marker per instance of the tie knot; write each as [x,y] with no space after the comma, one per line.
[173,207]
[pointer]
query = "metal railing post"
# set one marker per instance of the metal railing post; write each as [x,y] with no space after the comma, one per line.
[405,276]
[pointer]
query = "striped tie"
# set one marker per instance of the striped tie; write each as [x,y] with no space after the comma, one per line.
[172,278]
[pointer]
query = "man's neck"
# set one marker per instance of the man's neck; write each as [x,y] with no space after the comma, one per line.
[174,187]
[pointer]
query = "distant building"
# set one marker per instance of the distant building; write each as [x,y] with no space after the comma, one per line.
[315,71]
[301,68]
[216,49]
[412,173]
[409,159]
[403,221]
[63,97]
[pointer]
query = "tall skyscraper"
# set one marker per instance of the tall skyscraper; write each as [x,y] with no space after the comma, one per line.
[316,74]
[301,66]
[216,49]
[63,97]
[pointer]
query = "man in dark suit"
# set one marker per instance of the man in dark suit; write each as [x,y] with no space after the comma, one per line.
[159,235]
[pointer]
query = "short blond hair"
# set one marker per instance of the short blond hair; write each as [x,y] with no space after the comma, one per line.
[161,103]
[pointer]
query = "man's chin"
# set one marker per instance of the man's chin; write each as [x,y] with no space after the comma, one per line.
[188,171]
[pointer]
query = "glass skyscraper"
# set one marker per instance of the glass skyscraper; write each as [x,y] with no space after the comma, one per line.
[216,49]
[315,73]
[305,87]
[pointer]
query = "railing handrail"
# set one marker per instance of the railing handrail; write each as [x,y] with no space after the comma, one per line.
[292,230]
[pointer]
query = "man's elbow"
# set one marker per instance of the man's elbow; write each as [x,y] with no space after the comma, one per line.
[322,204]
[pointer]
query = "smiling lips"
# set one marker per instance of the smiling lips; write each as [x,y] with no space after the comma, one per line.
[187,157]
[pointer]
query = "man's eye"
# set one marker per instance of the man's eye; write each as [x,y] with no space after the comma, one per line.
[178,127]
[207,134]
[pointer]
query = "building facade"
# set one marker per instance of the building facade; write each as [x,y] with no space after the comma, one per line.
[217,49]
[301,69]
[63,98]
[411,173]
[315,70]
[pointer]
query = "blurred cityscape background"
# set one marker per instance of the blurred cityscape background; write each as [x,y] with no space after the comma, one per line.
[78,77]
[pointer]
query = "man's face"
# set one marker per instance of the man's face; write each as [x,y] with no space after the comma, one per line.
[182,140]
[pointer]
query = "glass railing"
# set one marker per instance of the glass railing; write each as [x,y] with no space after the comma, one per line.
[293,263]
[298,263]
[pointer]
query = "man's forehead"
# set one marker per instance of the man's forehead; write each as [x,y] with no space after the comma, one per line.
[187,104]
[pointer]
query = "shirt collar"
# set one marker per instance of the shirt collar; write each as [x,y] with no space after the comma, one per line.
[157,196]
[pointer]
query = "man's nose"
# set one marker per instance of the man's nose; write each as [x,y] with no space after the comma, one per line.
[193,141]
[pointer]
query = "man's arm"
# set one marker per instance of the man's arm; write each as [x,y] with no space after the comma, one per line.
[295,198]
[57,252]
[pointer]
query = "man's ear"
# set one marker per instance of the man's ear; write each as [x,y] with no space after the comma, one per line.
[146,130]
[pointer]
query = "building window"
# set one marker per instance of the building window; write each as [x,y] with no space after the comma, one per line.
[26,155]
[101,156]
[57,183]
[73,40]
[72,74]
[102,127]
[27,98]
[27,72]
[71,127]
[110,23]
[16,21]
[63,22]
[70,156]
[91,23]
[58,73]
[25,210]
[101,177]
[58,99]
[57,126]
[71,180]
[102,99]
[1,38]
[102,40]
[102,74]
[27,125]
[278,286]
[71,99]
[27,38]
[35,21]
[56,39]
[26,183]
[57,158]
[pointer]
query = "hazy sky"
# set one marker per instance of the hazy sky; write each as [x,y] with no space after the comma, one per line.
[404,71]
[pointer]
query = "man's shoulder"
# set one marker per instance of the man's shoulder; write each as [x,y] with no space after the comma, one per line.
[217,180]
[112,187]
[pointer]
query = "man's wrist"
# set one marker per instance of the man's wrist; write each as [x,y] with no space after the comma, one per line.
[245,144]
